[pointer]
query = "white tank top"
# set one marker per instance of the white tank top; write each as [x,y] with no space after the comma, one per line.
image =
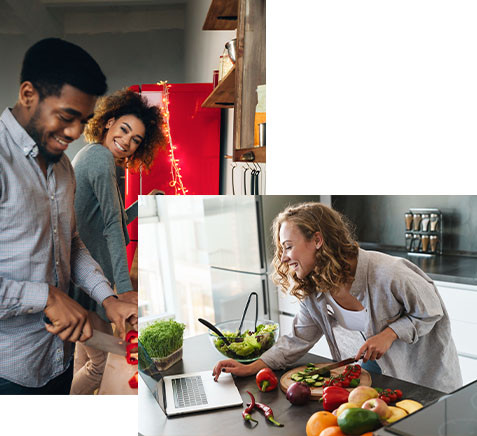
[349,319]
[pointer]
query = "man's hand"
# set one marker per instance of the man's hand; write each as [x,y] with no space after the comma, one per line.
[68,319]
[375,347]
[128,297]
[119,312]
[237,368]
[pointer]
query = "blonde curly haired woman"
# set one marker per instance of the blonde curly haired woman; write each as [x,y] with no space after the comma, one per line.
[392,303]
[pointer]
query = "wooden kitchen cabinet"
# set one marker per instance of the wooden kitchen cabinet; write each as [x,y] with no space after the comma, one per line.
[238,89]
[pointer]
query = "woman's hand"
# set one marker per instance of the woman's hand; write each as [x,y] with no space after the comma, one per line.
[237,368]
[375,347]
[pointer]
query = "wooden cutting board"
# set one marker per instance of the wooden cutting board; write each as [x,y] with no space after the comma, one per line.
[316,393]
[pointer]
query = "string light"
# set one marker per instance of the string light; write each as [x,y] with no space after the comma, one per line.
[176,182]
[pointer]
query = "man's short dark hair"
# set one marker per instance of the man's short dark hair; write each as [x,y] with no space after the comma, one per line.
[51,63]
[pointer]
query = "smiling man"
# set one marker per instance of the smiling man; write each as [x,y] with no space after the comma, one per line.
[40,250]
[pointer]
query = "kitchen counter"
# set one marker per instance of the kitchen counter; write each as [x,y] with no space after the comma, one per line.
[444,268]
[200,356]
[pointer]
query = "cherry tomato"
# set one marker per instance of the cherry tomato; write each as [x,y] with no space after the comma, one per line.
[398,392]
[392,396]
[346,382]
[385,398]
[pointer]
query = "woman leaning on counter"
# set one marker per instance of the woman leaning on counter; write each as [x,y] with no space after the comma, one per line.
[125,131]
[396,307]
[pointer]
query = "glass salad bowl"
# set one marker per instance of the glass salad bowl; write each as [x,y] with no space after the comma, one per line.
[250,344]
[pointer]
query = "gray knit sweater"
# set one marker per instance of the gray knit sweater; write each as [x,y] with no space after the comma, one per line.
[397,294]
[101,219]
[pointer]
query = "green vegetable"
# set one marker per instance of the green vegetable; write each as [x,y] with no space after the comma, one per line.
[253,344]
[162,338]
[358,421]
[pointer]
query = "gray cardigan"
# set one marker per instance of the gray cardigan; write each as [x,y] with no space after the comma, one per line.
[397,294]
[101,219]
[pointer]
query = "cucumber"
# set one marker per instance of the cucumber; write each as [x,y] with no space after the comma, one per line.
[318,384]
[309,381]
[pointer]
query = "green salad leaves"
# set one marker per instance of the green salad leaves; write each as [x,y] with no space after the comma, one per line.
[250,345]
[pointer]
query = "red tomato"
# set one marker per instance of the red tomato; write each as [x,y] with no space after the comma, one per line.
[346,382]
[398,392]
[392,396]
[385,398]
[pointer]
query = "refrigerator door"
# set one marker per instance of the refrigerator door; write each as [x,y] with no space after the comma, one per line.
[233,235]
[195,131]
[230,291]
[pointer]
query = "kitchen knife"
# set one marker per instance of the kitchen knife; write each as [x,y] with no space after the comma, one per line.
[102,341]
[327,368]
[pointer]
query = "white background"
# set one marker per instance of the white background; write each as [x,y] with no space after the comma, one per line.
[371,97]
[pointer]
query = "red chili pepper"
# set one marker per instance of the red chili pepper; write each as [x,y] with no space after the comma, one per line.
[246,413]
[267,411]
[266,380]
[133,381]
[333,397]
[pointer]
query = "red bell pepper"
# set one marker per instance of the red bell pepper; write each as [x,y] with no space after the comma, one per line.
[133,381]
[333,397]
[266,380]
[131,336]
[131,359]
[131,347]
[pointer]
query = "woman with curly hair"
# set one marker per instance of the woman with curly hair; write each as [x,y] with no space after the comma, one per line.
[391,304]
[125,131]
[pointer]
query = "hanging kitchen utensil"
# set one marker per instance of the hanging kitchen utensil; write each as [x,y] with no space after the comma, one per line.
[252,182]
[245,312]
[245,181]
[234,165]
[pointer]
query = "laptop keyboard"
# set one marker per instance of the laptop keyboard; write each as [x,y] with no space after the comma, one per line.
[188,391]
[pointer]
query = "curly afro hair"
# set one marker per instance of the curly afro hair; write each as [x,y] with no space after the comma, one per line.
[127,102]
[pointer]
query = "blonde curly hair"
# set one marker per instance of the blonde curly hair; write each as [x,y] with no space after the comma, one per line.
[127,102]
[333,258]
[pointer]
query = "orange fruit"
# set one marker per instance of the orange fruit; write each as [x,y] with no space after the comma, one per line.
[319,421]
[334,430]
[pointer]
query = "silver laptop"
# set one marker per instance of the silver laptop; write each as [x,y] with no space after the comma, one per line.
[187,393]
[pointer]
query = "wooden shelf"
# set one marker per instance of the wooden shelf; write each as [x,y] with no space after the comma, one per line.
[223,96]
[259,152]
[222,15]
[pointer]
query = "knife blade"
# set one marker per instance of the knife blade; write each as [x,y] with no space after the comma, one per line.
[327,368]
[104,342]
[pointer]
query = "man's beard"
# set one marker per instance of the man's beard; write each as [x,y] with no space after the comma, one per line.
[36,134]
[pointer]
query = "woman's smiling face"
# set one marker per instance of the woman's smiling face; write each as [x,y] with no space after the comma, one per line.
[124,135]
[298,252]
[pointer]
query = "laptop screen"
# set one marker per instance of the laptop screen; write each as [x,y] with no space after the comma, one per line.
[151,376]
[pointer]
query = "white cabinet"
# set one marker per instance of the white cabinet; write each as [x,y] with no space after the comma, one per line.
[461,304]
